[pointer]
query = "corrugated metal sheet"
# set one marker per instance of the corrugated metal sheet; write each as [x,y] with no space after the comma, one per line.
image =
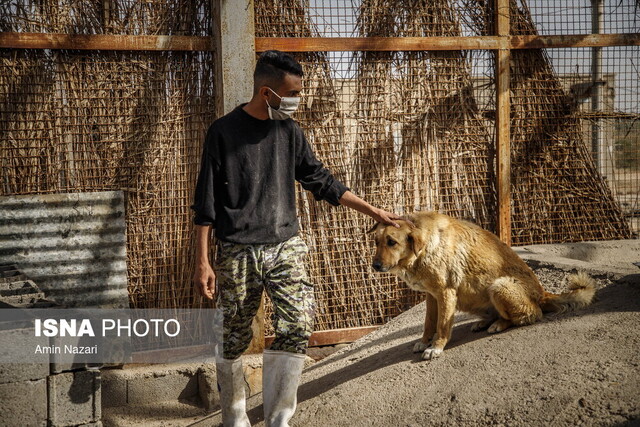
[73,246]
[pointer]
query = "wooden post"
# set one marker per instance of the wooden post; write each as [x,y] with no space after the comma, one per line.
[235,58]
[503,122]
[234,33]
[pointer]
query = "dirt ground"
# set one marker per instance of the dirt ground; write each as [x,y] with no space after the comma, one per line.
[581,368]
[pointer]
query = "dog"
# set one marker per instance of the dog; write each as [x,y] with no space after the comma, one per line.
[463,267]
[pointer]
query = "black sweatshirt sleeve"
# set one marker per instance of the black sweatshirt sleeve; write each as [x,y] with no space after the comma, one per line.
[204,195]
[312,174]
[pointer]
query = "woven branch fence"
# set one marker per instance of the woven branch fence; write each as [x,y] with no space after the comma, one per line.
[407,131]
[83,121]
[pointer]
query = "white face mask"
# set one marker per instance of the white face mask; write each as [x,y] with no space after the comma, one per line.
[288,106]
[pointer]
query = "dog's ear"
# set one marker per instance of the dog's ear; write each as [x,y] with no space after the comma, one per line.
[417,241]
[372,229]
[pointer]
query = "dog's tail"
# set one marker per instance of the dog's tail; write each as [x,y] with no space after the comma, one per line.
[582,290]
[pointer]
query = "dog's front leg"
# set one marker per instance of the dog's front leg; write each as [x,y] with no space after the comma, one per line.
[446,312]
[430,322]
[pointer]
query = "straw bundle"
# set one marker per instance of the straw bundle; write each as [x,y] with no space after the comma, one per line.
[446,143]
[423,144]
[558,194]
[28,153]
[348,294]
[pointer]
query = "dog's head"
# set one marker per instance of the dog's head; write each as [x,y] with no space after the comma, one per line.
[396,246]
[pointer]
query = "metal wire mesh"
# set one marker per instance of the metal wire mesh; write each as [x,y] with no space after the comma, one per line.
[341,18]
[392,128]
[576,16]
[416,131]
[130,17]
[609,124]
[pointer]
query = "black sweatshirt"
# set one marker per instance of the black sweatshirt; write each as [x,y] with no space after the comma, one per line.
[246,189]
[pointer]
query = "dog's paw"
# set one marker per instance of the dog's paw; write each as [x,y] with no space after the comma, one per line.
[431,353]
[419,347]
[499,326]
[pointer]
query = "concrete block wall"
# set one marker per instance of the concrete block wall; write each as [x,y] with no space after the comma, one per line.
[143,385]
[193,382]
[32,396]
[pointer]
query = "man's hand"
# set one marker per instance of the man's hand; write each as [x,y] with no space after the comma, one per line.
[204,279]
[385,217]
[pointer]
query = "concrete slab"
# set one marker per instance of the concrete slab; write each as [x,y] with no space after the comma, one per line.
[614,257]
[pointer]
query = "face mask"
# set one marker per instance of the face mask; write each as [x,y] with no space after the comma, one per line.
[288,105]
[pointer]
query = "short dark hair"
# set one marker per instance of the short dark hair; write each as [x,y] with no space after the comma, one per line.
[271,68]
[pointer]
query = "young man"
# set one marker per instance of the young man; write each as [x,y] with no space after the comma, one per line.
[251,160]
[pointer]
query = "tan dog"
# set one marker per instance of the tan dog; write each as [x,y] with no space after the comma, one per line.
[464,267]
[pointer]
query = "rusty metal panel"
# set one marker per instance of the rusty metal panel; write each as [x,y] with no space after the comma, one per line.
[73,246]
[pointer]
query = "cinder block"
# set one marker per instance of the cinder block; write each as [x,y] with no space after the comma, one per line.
[18,372]
[23,403]
[21,345]
[208,387]
[114,388]
[60,363]
[162,387]
[74,398]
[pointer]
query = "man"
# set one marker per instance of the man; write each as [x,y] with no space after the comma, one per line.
[246,191]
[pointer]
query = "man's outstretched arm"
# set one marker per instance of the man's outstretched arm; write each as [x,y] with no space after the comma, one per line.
[352,201]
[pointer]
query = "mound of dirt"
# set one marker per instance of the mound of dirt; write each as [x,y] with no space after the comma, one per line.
[580,368]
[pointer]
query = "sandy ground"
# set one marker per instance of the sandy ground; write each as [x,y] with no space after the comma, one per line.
[581,368]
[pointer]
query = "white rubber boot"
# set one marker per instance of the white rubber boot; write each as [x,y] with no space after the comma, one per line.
[232,397]
[281,372]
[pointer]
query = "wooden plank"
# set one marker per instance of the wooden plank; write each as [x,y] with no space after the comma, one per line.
[334,336]
[390,44]
[503,142]
[346,44]
[319,338]
[587,40]
[503,124]
[502,17]
[104,42]
[301,44]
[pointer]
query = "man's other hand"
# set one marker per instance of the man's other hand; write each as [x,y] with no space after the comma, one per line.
[204,279]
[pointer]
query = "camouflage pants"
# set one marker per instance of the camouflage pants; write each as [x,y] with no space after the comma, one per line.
[243,271]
